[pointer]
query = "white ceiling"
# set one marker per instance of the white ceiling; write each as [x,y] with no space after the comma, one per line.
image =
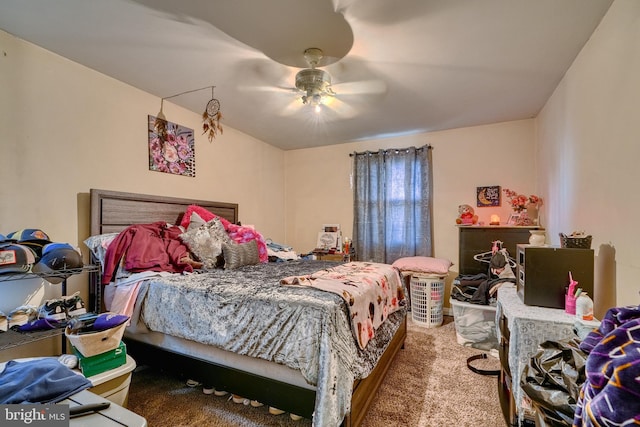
[398,67]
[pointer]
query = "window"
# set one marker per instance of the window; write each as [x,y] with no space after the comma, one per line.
[392,204]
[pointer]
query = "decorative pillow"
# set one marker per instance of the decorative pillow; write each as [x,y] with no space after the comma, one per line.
[195,221]
[240,234]
[195,215]
[423,264]
[239,254]
[205,242]
[203,213]
[99,243]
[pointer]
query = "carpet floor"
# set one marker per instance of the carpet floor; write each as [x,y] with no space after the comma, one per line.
[429,385]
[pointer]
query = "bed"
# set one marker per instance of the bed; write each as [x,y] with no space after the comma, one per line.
[249,373]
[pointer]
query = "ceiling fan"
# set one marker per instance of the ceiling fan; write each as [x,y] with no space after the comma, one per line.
[313,86]
[314,83]
[317,89]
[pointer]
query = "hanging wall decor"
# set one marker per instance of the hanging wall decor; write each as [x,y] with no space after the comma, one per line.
[171,147]
[488,196]
[211,118]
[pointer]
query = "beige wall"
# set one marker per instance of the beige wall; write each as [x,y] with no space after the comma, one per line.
[67,129]
[477,156]
[318,189]
[588,151]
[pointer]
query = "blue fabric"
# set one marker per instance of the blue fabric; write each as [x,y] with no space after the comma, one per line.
[43,380]
[392,196]
[277,247]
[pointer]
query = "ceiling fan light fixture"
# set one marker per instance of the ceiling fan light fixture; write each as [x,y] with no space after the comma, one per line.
[313,79]
[315,83]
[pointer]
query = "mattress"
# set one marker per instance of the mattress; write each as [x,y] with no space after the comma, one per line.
[247,319]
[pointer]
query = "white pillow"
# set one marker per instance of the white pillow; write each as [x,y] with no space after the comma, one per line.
[99,243]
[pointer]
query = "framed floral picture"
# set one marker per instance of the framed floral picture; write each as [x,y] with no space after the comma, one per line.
[171,148]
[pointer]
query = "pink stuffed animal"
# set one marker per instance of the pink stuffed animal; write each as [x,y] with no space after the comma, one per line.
[466,215]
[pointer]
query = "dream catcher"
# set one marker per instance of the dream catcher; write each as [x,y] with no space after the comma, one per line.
[211,118]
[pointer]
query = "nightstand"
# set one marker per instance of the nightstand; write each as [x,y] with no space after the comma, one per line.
[337,256]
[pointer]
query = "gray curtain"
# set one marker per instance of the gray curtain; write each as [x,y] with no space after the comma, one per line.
[392,204]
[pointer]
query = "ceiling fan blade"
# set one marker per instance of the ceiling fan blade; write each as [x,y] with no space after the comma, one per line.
[341,108]
[292,107]
[256,73]
[265,88]
[360,88]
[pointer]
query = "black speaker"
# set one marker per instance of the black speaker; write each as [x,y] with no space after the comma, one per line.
[543,273]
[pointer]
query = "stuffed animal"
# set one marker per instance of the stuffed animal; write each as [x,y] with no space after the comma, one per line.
[466,215]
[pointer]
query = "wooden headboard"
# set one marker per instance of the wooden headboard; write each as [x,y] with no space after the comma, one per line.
[113,211]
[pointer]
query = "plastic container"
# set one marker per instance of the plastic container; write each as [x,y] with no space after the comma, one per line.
[427,294]
[114,384]
[475,324]
[91,344]
[584,307]
[569,304]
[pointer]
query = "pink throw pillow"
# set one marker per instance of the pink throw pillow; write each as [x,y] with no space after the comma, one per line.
[237,233]
[203,213]
[423,264]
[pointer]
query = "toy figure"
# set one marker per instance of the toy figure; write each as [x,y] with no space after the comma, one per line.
[466,215]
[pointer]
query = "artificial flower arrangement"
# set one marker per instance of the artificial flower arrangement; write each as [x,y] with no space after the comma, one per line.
[519,202]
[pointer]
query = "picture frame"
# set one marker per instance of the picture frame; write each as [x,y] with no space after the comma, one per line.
[327,240]
[513,218]
[488,196]
[171,147]
[331,228]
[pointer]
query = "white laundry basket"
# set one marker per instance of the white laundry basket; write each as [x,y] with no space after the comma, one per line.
[427,294]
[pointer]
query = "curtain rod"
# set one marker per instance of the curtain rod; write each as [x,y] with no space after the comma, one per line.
[397,150]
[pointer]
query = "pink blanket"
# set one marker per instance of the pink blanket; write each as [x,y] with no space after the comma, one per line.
[372,292]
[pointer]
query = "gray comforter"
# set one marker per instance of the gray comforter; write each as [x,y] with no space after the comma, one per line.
[248,312]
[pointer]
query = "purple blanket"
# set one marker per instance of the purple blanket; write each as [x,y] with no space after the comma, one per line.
[611,394]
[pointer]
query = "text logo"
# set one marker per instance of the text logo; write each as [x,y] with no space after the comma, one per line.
[35,415]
